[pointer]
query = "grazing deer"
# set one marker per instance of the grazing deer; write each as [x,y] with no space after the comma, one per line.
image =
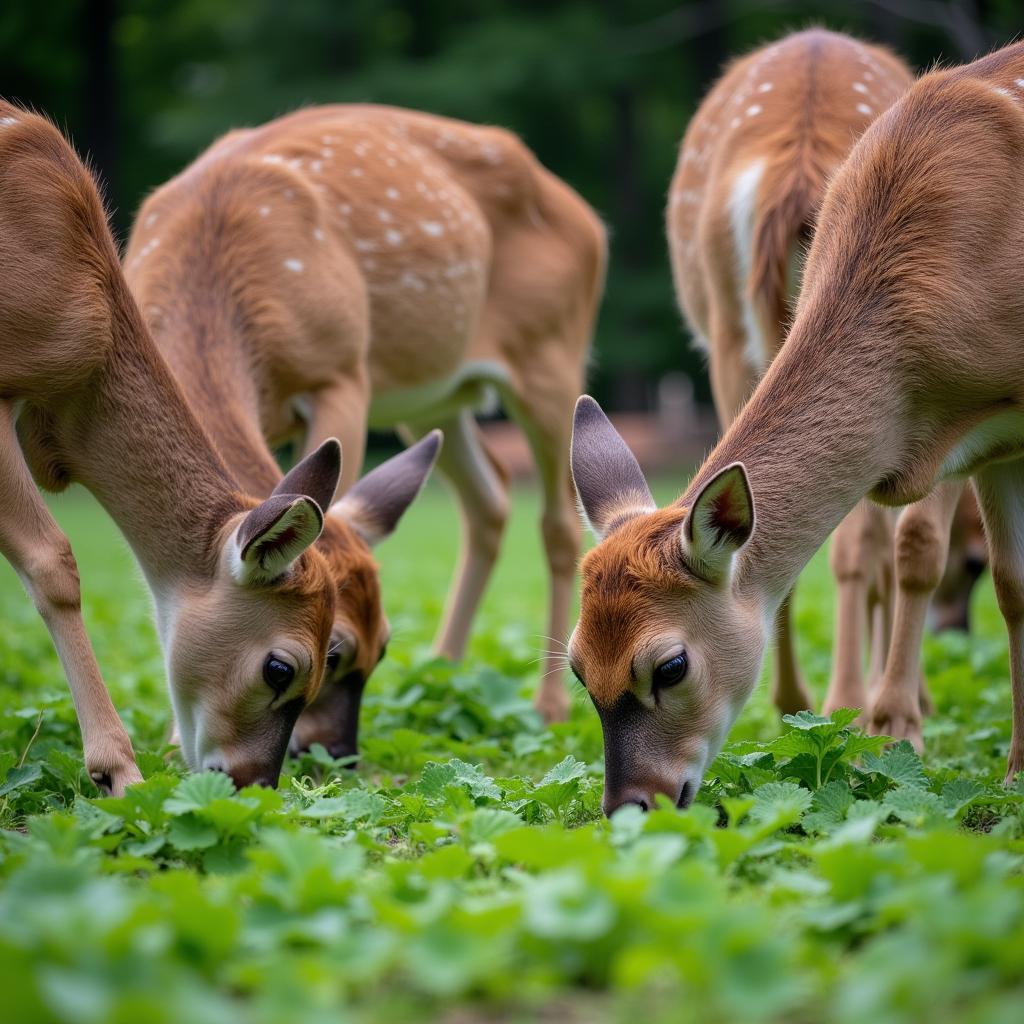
[752,169]
[900,370]
[347,265]
[206,285]
[242,606]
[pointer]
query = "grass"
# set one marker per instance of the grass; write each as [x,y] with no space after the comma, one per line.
[464,873]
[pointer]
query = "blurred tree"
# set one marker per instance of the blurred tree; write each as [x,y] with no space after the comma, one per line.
[601,91]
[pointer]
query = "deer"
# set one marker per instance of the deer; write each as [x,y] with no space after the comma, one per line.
[355,266]
[242,608]
[752,170]
[898,380]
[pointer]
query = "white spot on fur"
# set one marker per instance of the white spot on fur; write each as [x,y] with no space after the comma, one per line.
[272,158]
[863,108]
[150,220]
[264,211]
[765,87]
[289,193]
[734,123]
[753,110]
[742,213]
[326,153]
[410,280]
[345,209]
[295,266]
[316,166]
[393,236]
[860,87]
[356,172]
[1019,83]
[365,245]
[318,234]
[393,193]
[385,216]
[7,121]
[432,227]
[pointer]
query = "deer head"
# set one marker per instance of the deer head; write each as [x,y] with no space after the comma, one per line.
[362,518]
[246,647]
[666,648]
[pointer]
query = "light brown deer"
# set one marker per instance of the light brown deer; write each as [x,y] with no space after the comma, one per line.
[362,264]
[242,606]
[752,169]
[903,367]
[208,287]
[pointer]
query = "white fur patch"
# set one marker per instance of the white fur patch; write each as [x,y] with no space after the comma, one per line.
[742,214]
[295,266]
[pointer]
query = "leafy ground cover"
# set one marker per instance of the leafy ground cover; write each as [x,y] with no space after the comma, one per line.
[463,872]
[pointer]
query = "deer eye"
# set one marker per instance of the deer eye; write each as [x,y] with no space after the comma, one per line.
[670,672]
[277,674]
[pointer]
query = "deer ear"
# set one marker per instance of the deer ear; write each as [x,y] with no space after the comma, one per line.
[273,535]
[609,481]
[316,476]
[720,522]
[377,502]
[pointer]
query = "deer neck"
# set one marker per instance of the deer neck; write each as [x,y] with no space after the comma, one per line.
[821,431]
[134,443]
[201,343]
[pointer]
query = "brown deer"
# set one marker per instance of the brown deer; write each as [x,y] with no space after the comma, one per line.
[900,370]
[242,606]
[354,265]
[752,169]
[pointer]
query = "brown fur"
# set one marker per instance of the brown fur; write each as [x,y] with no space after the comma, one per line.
[792,109]
[434,260]
[906,339]
[93,402]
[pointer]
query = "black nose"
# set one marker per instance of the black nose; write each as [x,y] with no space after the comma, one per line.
[611,803]
[253,775]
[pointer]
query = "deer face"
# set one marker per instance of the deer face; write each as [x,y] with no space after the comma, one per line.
[247,647]
[367,514]
[666,649]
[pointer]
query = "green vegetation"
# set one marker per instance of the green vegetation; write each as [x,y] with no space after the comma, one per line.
[464,873]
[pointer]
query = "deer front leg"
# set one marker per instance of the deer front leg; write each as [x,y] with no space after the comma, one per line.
[858,546]
[789,694]
[1000,490]
[480,490]
[340,410]
[922,542]
[42,557]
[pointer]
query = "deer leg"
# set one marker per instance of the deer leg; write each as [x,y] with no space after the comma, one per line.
[856,553]
[42,557]
[1000,490]
[548,430]
[482,495]
[340,410]
[789,694]
[922,539]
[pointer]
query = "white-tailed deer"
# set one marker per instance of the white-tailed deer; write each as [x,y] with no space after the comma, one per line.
[900,370]
[362,264]
[206,284]
[242,606]
[752,170]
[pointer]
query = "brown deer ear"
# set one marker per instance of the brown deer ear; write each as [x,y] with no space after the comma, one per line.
[316,476]
[720,522]
[273,535]
[376,503]
[609,481]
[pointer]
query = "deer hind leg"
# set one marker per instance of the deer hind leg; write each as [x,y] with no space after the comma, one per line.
[42,557]
[482,494]
[922,540]
[1000,490]
[858,550]
[968,556]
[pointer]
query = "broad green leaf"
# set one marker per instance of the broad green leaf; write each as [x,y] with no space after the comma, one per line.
[195,792]
[899,763]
